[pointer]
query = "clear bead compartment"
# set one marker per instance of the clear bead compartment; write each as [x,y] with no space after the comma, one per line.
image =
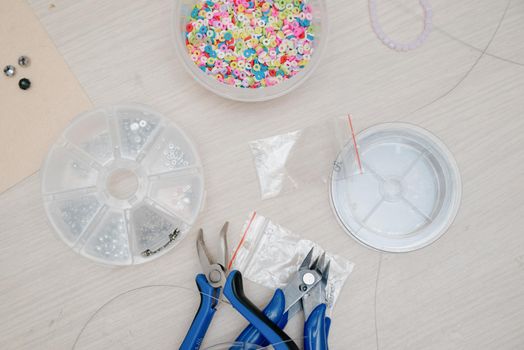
[408,193]
[155,169]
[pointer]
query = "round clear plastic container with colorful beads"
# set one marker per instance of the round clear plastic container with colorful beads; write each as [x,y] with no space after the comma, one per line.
[122,185]
[317,20]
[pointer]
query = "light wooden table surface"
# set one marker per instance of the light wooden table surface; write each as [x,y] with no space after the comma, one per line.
[466,85]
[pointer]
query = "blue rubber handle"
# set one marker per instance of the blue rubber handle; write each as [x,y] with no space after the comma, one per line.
[275,312]
[234,291]
[206,311]
[315,337]
[328,326]
[283,321]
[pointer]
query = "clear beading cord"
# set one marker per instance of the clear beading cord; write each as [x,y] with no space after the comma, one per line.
[192,290]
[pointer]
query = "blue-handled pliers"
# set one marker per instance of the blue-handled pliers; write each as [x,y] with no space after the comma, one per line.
[212,283]
[307,291]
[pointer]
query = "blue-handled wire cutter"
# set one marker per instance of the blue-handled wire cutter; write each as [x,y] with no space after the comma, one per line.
[307,291]
[216,280]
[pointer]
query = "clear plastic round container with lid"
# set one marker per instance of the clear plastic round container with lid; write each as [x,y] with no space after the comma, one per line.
[122,185]
[319,22]
[404,195]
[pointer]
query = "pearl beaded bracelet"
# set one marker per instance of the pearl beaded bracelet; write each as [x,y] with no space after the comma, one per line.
[428,14]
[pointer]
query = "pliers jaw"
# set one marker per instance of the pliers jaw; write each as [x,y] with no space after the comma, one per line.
[215,271]
[303,282]
[318,294]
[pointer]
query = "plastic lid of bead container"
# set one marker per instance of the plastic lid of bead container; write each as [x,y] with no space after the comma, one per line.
[319,22]
[122,185]
[407,194]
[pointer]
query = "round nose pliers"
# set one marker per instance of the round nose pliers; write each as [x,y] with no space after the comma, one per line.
[217,280]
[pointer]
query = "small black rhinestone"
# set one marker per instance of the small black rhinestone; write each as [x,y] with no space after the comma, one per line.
[24,61]
[24,83]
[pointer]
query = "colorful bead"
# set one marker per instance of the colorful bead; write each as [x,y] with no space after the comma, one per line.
[250,43]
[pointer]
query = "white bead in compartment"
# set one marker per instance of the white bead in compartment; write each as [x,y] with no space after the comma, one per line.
[109,241]
[136,130]
[91,134]
[178,193]
[66,170]
[151,229]
[73,215]
[171,151]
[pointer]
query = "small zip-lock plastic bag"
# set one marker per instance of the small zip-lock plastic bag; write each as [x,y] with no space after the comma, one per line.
[269,254]
[307,156]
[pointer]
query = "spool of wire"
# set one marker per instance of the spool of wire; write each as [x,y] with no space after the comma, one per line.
[406,194]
